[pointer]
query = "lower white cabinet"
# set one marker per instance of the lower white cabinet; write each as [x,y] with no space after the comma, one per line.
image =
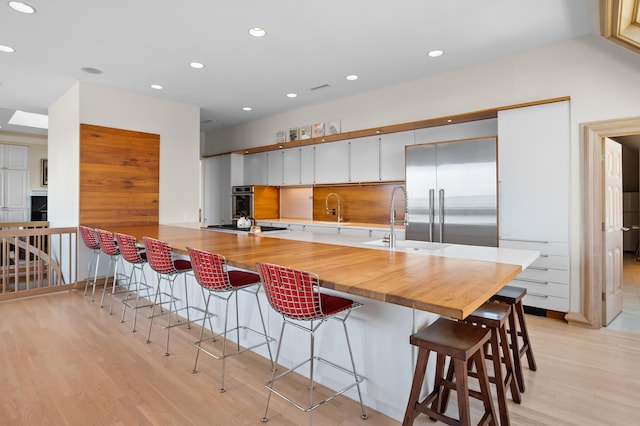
[546,279]
[13,196]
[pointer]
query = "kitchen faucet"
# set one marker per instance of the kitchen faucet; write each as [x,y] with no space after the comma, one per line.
[326,205]
[392,213]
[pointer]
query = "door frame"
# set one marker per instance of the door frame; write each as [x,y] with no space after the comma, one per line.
[592,258]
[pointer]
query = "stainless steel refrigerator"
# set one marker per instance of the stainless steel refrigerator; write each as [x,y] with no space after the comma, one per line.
[452,192]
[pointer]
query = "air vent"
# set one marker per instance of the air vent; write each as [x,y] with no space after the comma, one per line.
[323,86]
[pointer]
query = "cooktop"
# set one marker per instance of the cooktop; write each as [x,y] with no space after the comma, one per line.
[232,227]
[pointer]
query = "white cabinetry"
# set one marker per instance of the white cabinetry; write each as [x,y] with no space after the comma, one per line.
[220,173]
[275,168]
[364,159]
[307,164]
[255,169]
[332,162]
[292,164]
[392,161]
[14,161]
[533,175]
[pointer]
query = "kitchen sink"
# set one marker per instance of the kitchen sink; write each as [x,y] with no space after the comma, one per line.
[408,245]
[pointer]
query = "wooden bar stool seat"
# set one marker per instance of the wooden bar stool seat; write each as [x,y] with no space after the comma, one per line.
[464,344]
[494,316]
[517,331]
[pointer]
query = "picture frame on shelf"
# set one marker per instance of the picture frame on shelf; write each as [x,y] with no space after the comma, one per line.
[332,127]
[281,136]
[318,130]
[305,131]
[44,172]
[294,134]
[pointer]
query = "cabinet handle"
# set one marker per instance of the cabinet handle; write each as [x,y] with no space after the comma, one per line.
[526,280]
[538,268]
[525,241]
[543,296]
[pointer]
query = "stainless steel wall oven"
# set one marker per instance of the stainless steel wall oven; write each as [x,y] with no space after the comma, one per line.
[241,201]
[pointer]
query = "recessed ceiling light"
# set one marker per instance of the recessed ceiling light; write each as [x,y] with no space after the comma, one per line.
[352,77]
[435,53]
[196,65]
[21,7]
[157,86]
[247,108]
[257,32]
[292,95]
[91,70]
[6,49]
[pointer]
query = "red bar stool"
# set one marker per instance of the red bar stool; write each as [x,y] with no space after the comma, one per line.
[168,269]
[213,276]
[463,343]
[513,296]
[135,255]
[110,248]
[90,240]
[296,296]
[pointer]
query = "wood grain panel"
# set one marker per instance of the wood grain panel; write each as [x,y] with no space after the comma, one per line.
[119,176]
[266,202]
[358,203]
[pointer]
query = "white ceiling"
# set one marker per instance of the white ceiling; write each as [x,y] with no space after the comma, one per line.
[308,44]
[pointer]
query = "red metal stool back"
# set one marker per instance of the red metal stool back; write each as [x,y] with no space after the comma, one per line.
[135,255]
[168,267]
[110,248]
[296,295]
[212,274]
[90,241]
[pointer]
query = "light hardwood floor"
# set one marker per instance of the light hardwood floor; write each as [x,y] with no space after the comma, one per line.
[64,361]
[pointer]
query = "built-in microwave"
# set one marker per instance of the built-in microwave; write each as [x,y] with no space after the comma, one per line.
[241,201]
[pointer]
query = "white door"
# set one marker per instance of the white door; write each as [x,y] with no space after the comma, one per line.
[612,304]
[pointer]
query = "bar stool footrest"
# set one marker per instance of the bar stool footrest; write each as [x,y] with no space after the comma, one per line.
[306,408]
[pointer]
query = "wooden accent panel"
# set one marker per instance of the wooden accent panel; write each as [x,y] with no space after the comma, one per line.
[266,202]
[358,203]
[119,176]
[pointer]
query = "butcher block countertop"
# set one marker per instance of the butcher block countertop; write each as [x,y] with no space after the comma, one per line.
[451,287]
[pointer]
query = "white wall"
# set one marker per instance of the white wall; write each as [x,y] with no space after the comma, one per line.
[600,77]
[177,124]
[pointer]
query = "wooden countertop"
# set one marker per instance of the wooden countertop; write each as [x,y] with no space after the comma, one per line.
[445,286]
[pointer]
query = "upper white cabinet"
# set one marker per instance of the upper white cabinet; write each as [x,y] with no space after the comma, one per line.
[332,162]
[364,159]
[533,172]
[275,168]
[392,160]
[292,163]
[307,164]
[14,157]
[255,169]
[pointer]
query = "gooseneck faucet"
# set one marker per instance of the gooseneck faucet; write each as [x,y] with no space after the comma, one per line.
[392,213]
[326,205]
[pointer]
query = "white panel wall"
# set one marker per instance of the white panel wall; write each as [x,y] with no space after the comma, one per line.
[596,73]
[179,128]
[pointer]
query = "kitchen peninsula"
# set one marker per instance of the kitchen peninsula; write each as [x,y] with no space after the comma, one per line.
[401,291]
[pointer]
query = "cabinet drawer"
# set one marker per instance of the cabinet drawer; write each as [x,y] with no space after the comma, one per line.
[553,303]
[542,288]
[552,248]
[552,262]
[545,275]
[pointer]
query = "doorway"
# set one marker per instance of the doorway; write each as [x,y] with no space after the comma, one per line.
[592,258]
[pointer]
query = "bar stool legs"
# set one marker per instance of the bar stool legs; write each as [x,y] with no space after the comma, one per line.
[517,330]
[463,344]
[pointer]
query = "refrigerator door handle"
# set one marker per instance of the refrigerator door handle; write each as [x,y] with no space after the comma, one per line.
[441,212]
[431,213]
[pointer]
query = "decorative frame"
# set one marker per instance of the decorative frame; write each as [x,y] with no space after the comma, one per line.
[44,172]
